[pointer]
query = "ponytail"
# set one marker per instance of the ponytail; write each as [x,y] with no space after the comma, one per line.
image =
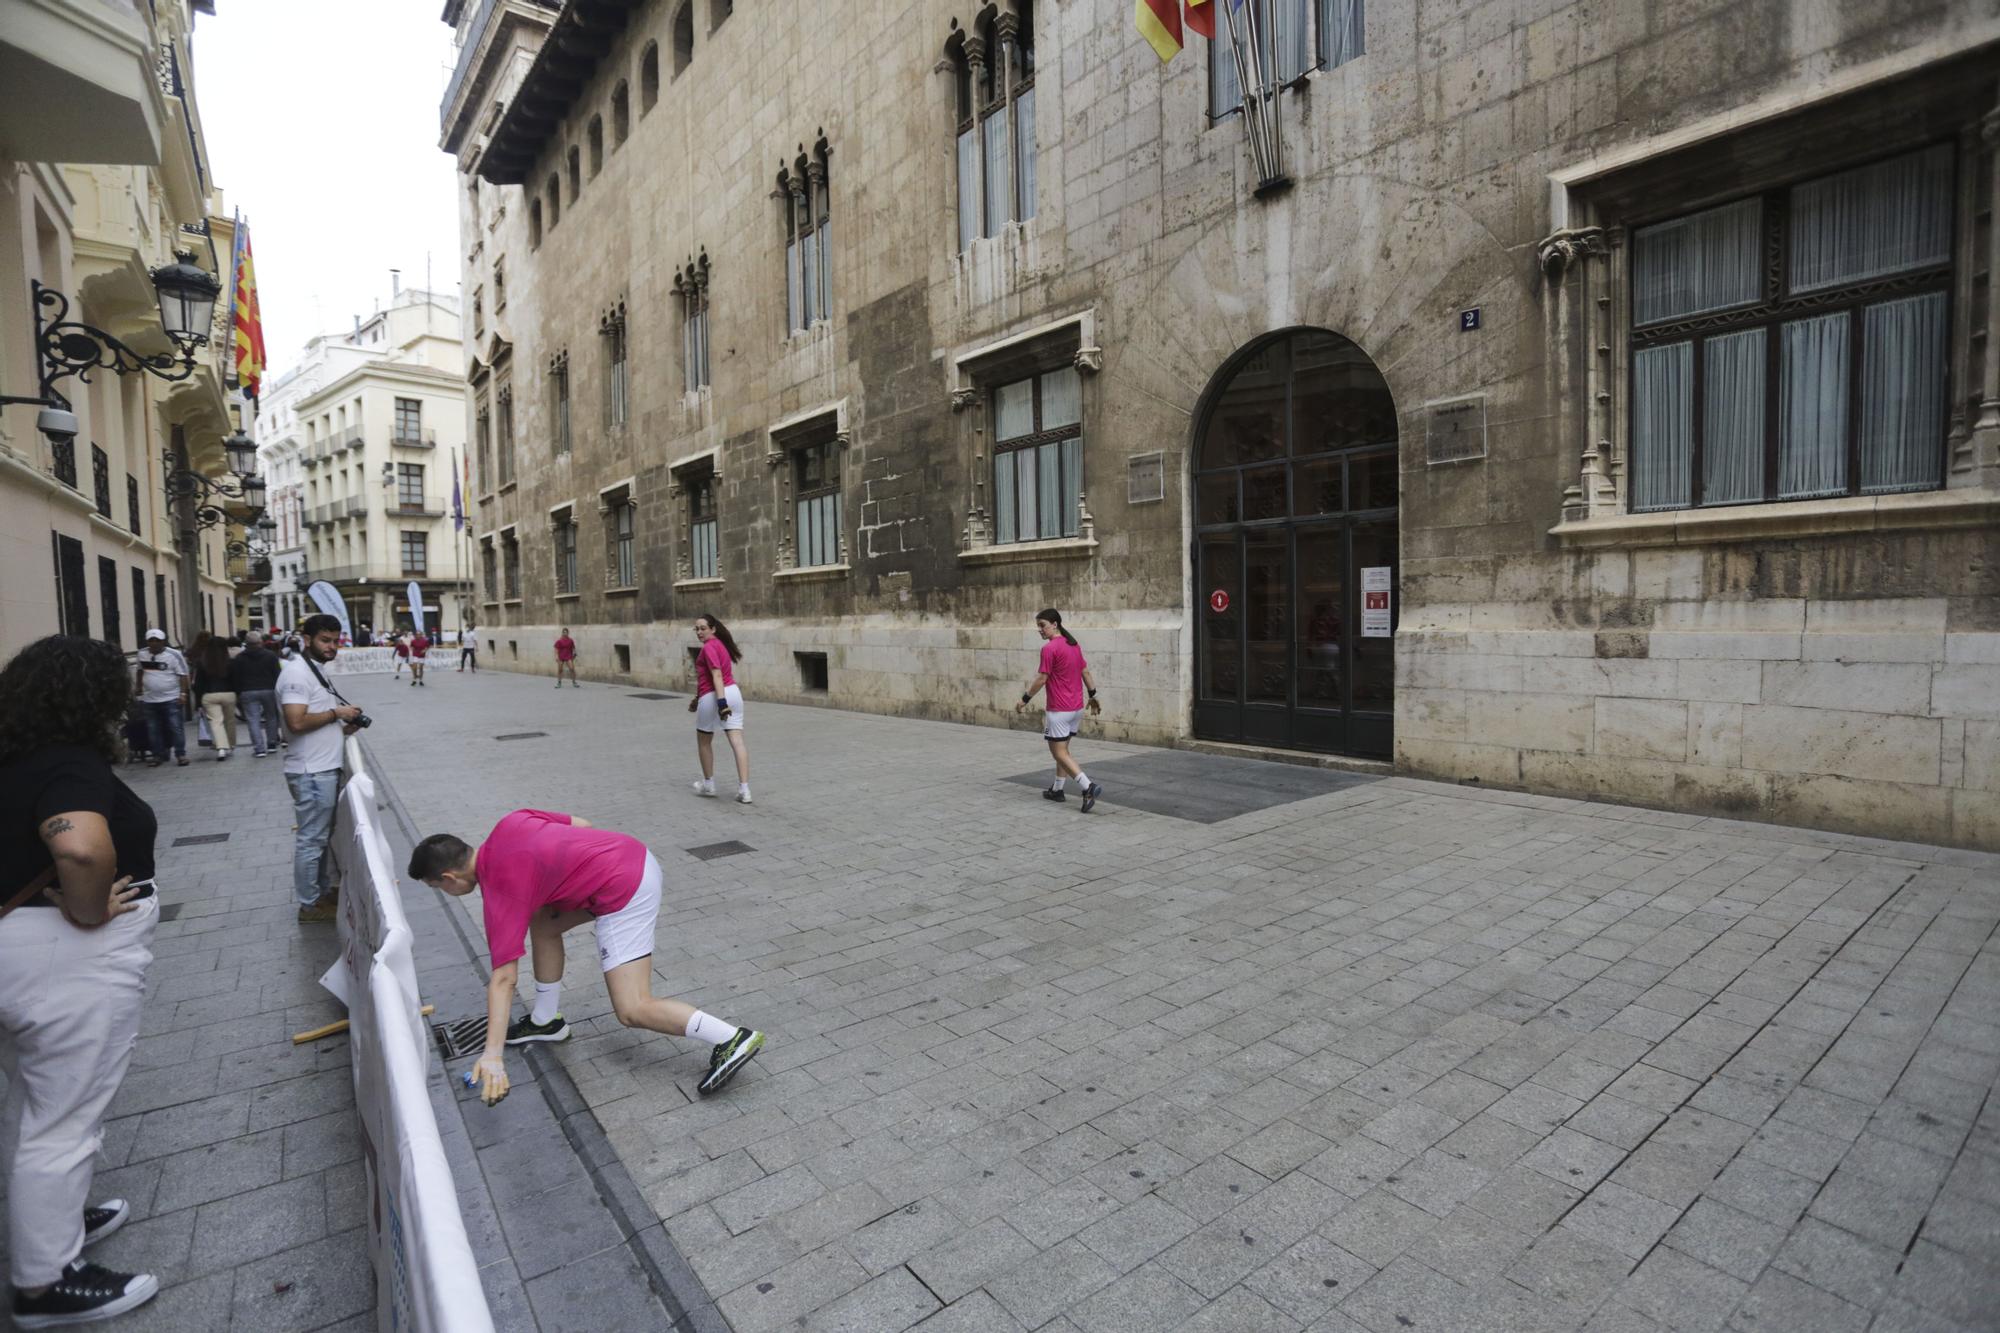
[728,640]
[1054,617]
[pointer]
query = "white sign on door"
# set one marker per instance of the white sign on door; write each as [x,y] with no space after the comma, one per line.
[1375,594]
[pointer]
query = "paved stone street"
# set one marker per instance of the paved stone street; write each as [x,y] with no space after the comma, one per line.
[237,1149]
[1370,1054]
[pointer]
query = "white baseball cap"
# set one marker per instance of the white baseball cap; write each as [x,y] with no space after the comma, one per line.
[153,634]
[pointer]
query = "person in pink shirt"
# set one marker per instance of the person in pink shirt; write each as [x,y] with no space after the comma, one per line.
[566,658]
[718,705]
[1066,676]
[419,646]
[539,875]
[402,647]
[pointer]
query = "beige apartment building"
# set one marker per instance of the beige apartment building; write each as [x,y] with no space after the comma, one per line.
[1593,399]
[103,177]
[365,433]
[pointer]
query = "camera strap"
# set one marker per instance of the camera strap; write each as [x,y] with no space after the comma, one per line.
[313,667]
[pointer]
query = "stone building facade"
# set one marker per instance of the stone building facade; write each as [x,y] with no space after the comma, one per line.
[1597,398]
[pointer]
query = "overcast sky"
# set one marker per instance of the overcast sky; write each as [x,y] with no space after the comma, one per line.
[322,125]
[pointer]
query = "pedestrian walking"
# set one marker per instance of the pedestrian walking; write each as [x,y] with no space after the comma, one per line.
[253,674]
[566,658]
[401,646]
[1064,673]
[214,695]
[419,646]
[162,682]
[76,939]
[365,636]
[718,705]
[541,874]
[317,717]
[468,649]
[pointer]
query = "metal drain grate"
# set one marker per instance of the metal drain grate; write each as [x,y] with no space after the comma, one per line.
[652,696]
[716,849]
[461,1038]
[201,839]
[170,911]
[520,735]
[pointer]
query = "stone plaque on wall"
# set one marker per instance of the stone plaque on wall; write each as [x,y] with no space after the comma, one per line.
[1455,429]
[1145,478]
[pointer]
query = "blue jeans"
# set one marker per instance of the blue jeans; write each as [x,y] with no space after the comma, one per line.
[260,714]
[313,799]
[164,726]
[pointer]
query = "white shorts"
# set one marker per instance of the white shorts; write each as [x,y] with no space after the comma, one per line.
[706,714]
[1062,726]
[627,933]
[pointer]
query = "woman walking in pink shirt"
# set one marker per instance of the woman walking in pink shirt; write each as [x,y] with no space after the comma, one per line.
[718,705]
[1066,676]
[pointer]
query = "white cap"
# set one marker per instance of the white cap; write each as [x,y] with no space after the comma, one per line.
[159,634]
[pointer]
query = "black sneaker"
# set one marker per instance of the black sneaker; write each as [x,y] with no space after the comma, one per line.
[525,1029]
[84,1294]
[1053,794]
[103,1219]
[1090,795]
[730,1056]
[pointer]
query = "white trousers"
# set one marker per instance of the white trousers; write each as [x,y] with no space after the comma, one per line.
[69,1006]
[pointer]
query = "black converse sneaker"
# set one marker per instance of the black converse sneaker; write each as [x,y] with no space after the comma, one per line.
[525,1029]
[84,1294]
[730,1056]
[100,1220]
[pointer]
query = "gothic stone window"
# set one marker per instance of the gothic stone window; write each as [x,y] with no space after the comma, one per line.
[489,568]
[649,77]
[1792,344]
[596,137]
[816,501]
[994,101]
[802,186]
[621,114]
[1038,457]
[683,37]
[691,287]
[621,555]
[553,190]
[611,331]
[563,532]
[504,400]
[703,553]
[510,566]
[559,400]
[482,438]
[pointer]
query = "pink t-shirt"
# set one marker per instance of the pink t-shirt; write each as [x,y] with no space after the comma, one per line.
[1062,663]
[535,859]
[402,647]
[419,646]
[565,649]
[713,657]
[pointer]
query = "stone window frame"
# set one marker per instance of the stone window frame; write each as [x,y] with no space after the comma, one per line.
[562,520]
[618,504]
[594,136]
[974,374]
[691,289]
[680,472]
[999,31]
[573,166]
[621,114]
[828,426]
[805,206]
[1904,101]
[482,435]
[489,569]
[681,28]
[719,12]
[614,335]
[509,541]
[504,427]
[649,78]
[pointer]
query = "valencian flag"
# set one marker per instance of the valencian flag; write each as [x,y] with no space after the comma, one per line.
[1159,22]
[457,497]
[247,325]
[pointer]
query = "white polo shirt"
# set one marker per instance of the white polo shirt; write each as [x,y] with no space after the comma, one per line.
[319,750]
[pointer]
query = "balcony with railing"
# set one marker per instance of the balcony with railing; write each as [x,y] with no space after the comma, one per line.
[354,506]
[353,439]
[414,437]
[411,506]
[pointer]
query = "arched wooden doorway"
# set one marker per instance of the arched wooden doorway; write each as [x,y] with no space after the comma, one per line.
[1295,486]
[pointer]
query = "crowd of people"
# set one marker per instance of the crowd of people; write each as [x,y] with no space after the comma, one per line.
[78,847]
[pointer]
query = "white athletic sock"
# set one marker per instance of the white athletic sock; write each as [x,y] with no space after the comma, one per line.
[1061,779]
[548,1001]
[709,1028]
[1082,780]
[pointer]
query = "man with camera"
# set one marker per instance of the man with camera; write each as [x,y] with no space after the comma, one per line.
[317,718]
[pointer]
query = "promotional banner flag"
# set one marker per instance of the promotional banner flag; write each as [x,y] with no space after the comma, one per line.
[327,598]
[416,596]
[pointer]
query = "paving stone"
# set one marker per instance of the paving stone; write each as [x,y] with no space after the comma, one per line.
[1525,1199]
[1240,1310]
[602,1291]
[1628,1222]
[260,1222]
[896,1237]
[1572,1158]
[309,1287]
[1721,1237]
[1682,1292]
[968,1259]
[1571,1268]
[1778,1301]
[1036,1291]
[1407,1295]
[886,1304]
[1833,1260]
[1310,1278]
[1143,1301]
[1378,1227]
[1135,1233]
[1213,1188]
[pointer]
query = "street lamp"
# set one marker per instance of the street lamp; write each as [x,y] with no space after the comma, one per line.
[246,489]
[70,347]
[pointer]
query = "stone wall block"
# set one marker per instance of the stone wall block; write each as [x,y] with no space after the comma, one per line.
[1866,646]
[1533,643]
[1975,819]
[1639,781]
[1747,645]
[1452,762]
[1666,575]
[1981,765]
[1852,805]
[1523,721]
[1642,728]
[1431,714]
[1972,649]
[1877,746]
[1878,615]
[1864,687]
[1635,678]
[1722,791]
[1966,691]
[1715,734]
[1720,681]
[1782,614]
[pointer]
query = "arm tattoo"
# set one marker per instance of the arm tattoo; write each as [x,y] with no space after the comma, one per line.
[56,827]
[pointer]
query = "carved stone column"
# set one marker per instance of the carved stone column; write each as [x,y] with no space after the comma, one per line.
[1576,262]
[1976,458]
[683,555]
[778,460]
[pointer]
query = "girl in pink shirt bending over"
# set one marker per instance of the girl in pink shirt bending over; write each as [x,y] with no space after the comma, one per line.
[1066,676]
[718,705]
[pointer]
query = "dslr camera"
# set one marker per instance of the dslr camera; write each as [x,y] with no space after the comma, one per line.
[364,721]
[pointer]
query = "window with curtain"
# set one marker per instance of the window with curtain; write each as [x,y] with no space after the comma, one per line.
[691,287]
[808,283]
[816,501]
[994,109]
[1791,345]
[1284,38]
[703,562]
[1037,457]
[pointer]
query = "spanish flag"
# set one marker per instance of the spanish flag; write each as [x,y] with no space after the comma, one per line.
[246,323]
[1159,22]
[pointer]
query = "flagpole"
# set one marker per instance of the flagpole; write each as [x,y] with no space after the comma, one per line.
[1253,122]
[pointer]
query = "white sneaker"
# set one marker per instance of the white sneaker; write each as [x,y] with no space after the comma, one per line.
[742,796]
[703,788]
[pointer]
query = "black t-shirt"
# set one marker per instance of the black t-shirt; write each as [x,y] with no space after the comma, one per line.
[254,669]
[59,780]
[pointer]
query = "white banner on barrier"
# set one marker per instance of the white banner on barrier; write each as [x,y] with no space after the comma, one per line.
[426,1279]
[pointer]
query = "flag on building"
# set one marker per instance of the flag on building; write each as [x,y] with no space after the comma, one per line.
[1159,22]
[1201,18]
[247,325]
[457,497]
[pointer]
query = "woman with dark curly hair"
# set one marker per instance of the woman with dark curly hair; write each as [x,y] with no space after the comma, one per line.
[76,931]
